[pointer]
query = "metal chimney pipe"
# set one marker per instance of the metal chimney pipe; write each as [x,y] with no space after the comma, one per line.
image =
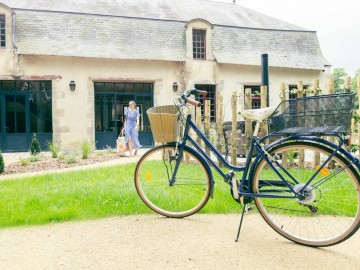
[265,74]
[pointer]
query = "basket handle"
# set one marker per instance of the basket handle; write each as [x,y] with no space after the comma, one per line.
[193,102]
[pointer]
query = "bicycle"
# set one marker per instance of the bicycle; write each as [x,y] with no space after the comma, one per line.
[305,186]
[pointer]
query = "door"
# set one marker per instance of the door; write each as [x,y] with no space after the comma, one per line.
[25,108]
[105,124]
[15,126]
[111,103]
[1,124]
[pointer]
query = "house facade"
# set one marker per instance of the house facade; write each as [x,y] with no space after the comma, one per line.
[68,70]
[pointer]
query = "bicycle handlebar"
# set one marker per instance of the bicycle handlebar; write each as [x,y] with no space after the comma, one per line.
[193,102]
[187,93]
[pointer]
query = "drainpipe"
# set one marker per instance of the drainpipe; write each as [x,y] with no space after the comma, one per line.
[265,75]
[13,18]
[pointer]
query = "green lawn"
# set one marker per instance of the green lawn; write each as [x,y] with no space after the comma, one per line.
[85,194]
[110,191]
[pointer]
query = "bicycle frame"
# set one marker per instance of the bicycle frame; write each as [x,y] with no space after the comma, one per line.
[256,143]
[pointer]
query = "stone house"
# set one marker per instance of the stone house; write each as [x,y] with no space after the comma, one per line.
[69,68]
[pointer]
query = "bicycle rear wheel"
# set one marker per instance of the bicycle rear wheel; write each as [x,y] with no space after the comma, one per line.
[190,191]
[328,211]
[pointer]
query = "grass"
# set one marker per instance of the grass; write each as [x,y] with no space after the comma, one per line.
[85,194]
[97,193]
[86,148]
[337,196]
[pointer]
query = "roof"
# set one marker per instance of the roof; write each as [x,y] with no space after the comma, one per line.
[285,48]
[154,30]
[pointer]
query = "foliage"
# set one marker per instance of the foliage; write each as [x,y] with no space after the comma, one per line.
[35,146]
[24,161]
[354,81]
[61,156]
[354,148]
[213,134]
[35,158]
[54,148]
[86,149]
[339,75]
[307,91]
[291,155]
[356,117]
[2,163]
[70,159]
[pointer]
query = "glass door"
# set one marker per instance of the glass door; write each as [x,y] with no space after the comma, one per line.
[110,115]
[105,123]
[15,123]
[1,124]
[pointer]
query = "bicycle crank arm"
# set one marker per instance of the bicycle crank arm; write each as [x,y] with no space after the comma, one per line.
[235,188]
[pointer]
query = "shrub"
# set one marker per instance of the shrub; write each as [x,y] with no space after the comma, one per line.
[35,146]
[86,149]
[70,159]
[2,163]
[54,148]
[35,158]
[24,161]
[61,156]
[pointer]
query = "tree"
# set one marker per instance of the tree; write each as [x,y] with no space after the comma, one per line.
[354,81]
[35,146]
[339,75]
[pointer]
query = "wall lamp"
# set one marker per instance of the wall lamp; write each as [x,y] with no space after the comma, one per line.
[72,85]
[175,86]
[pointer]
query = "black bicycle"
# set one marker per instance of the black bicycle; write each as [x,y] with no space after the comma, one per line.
[304,185]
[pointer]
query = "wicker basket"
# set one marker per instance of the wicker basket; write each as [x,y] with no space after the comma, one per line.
[164,123]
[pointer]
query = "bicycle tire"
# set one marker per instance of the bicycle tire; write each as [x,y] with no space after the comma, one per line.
[327,214]
[192,187]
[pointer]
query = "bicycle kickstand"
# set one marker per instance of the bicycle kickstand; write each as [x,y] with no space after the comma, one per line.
[241,220]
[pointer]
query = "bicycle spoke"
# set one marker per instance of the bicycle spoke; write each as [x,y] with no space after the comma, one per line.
[325,212]
[188,192]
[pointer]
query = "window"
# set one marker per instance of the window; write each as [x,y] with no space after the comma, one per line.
[199,44]
[255,96]
[2,31]
[27,102]
[211,95]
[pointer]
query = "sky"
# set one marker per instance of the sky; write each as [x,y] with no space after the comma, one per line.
[337,24]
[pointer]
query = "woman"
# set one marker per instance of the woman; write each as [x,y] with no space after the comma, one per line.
[131,127]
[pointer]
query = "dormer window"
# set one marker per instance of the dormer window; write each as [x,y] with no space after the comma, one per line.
[2,31]
[199,44]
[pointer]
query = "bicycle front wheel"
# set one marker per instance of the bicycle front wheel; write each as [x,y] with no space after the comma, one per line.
[186,195]
[327,212]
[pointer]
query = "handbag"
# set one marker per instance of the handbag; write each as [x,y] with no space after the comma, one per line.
[120,144]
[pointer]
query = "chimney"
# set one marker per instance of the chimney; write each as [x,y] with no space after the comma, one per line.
[265,74]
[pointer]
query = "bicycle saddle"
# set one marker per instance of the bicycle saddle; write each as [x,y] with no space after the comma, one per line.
[258,114]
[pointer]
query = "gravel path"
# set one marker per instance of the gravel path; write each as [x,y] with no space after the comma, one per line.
[154,242]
